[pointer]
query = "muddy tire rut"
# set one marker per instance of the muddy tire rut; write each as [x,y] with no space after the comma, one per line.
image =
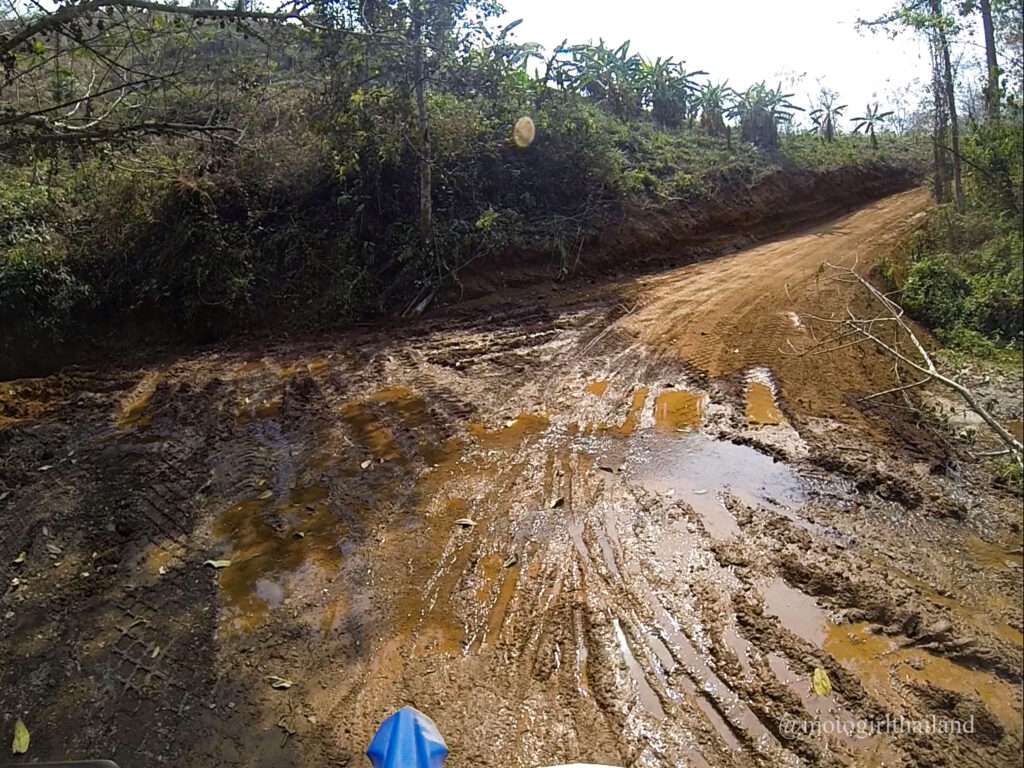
[615,523]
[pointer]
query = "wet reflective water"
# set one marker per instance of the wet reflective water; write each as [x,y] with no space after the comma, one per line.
[512,435]
[696,469]
[269,541]
[761,407]
[676,410]
[798,611]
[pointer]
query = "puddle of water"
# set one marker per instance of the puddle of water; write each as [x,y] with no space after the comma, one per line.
[646,693]
[740,647]
[815,705]
[512,435]
[994,556]
[597,388]
[699,673]
[798,611]
[496,619]
[411,407]
[977,617]
[678,410]
[370,431]
[695,468]
[878,660]
[271,544]
[490,567]
[629,426]
[872,751]
[761,407]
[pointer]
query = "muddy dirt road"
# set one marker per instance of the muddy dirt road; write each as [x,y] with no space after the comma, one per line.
[622,523]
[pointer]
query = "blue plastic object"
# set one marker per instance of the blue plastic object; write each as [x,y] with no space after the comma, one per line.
[407,739]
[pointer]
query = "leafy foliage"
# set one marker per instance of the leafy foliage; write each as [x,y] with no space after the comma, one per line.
[826,115]
[872,119]
[306,208]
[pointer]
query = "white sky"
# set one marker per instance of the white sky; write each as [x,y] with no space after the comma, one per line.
[744,41]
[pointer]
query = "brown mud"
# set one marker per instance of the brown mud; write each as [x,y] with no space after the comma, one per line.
[621,524]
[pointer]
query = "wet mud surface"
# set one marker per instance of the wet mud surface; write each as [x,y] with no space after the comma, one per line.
[621,524]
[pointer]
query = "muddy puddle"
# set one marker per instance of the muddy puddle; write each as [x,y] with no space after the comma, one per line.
[798,611]
[762,408]
[887,666]
[271,543]
[678,410]
[512,434]
[698,470]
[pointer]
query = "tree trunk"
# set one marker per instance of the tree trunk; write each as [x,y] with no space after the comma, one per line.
[426,213]
[941,182]
[948,85]
[992,86]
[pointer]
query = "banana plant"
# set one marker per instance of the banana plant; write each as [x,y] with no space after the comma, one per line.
[668,88]
[612,77]
[714,101]
[760,109]
[826,115]
[869,121]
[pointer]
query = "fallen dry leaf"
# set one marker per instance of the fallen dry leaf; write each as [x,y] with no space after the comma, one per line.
[22,738]
[218,563]
[280,683]
[822,685]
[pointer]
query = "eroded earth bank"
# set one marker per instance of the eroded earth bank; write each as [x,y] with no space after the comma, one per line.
[621,523]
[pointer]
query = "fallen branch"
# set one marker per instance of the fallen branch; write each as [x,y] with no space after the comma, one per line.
[924,365]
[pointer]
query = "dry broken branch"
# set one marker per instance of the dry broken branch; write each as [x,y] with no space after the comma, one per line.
[923,364]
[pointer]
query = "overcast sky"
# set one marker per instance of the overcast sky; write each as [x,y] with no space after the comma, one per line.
[744,41]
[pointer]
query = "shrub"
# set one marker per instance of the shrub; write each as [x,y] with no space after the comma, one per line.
[935,291]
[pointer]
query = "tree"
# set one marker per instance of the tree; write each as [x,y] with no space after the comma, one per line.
[102,71]
[827,114]
[870,121]
[927,17]
[991,59]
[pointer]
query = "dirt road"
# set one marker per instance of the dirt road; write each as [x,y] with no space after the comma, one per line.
[621,523]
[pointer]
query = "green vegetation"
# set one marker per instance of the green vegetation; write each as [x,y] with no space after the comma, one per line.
[962,273]
[200,170]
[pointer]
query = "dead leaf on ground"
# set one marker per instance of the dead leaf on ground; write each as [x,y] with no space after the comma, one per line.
[557,502]
[22,738]
[217,563]
[820,681]
[266,495]
[280,683]
[20,558]
[366,464]
[466,522]
[511,561]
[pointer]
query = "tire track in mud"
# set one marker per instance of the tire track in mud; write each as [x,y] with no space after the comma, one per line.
[527,525]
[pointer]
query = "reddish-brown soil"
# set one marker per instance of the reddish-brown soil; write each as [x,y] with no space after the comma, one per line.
[621,524]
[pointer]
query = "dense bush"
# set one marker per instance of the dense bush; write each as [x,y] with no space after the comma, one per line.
[962,273]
